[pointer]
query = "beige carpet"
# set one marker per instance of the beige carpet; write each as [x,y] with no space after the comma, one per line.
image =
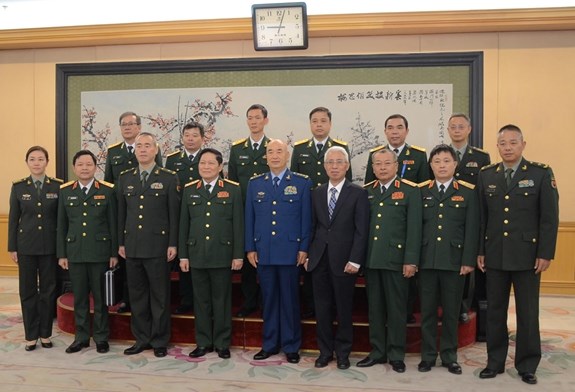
[53,370]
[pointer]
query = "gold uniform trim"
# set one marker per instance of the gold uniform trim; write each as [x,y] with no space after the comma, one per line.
[67,184]
[232,182]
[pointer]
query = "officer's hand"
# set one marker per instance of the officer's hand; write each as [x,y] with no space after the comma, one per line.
[465,269]
[481,263]
[113,262]
[409,270]
[172,252]
[253,258]
[185,265]
[14,256]
[350,269]
[541,265]
[305,264]
[122,251]
[301,257]
[237,264]
[63,262]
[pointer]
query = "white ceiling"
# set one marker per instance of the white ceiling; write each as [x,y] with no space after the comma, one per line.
[19,14]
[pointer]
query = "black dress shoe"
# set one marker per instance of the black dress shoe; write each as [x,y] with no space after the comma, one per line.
[102,347]
[263,354]
[245,312]
[183,309]
[489,373]
[292,357]
[123,308]
[452,367]
[528,377]
[223,353]
[77,346]
[136,349]
[30,347]
[425,366]
[322,361]
[369,362]
[160,352]
[463,318]
[397,366]
[343,363]
[46,344]
[201,351]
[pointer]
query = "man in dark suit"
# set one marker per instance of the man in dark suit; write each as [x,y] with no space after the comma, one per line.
[185,163]
[148,215]
[278,226]
[212,246]
[120,157]
[392,259]
[248,159]
[340,227]
[470,160]
[448,254]
[87,244]
[519,206]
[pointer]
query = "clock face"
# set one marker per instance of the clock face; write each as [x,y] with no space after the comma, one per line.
[280,27]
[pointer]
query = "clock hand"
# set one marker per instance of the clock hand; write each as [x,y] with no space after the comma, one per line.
[281,21]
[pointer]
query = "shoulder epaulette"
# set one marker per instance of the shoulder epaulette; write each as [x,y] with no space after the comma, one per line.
[191,183]
[417,148]
[541,165]
[19,181]
[257,175]
[56,179]
[489,166]
[108,184]
[173,153]
[466,184]
[425,183]
[340,142]
[377,148]
[114,145]
[480,150]
[300,174]
[67,184]
[232,182]
[127,170]
[411,183]
[301,142]
[167,170]
[369,184]
[239,141]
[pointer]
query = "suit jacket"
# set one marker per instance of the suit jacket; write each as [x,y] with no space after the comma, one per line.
[345,236]
[119,159]
[87,224]
[519,223]
[395,225]
[471,163]
[244,162]
[450,226]
[32,218]
[306,160]
[212,224]
[148,216]
[412,164]
[278,222]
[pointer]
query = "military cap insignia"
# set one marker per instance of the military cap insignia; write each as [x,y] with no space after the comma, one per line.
[290,190]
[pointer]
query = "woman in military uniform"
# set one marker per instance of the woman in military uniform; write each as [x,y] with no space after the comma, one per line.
[32,245]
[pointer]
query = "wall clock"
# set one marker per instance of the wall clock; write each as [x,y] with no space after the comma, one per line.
[279,26]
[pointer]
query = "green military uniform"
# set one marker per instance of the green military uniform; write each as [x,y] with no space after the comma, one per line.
[395,240]
[32,234]
[307,160]
[148,218]
[87,237]
[471,163]
[412,164]
[519,224]
[211,235]
[119,159]
[449,241]
[244,163]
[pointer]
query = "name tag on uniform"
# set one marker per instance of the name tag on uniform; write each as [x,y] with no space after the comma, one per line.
[51,195]
[72,197]
[526,184]
[290,190]
[397,195]
[304,155]
[194,196]
[157,185]
[244,157]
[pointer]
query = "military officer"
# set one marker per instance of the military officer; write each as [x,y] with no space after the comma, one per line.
[148,215]
[87,245]
[120,157]
[185,163]
[32,246]
[448,254]
[519,206]
[248,159]
[392,258]
[211,245]
[278,228]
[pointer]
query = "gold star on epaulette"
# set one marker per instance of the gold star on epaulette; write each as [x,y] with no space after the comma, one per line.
[424,184]
[167,170]
[542,165]
[300,175]
[466,184]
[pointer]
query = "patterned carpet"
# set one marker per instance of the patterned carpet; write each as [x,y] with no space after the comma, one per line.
[53,370]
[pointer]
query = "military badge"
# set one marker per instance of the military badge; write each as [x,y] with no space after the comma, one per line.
[26,196]
[72,197]
[408,161]
[261,195]
[223,194]
[99,197]
[157,185]
[526,184]
[397,195]
[290,190]
[471,164]
[457,198]
[51,195]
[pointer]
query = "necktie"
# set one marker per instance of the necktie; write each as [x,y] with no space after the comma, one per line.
[209,188]
[458,156]
[38,184]
[191,157]
[256,145]
[319,147]
[144,177]
[396,151]
[276,182]
[441,191]
[383,189]
[332,201]
[508,176]
[85,190]
[130,149]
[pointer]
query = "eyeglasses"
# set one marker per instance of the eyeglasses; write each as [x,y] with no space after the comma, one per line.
[128,124]
[337,162]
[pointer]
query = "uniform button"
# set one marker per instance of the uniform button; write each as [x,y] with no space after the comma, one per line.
[141,207]
[534,240]
[379,215]
[209,203]
[84,234]
[506,209]
[457,206]
[39,215]
[39,204]
[139,226]
[381,204]
[319,183]
[375,238]
[376,227]
[440,227]
[319,163]
[273,223]
[457,175]
[141,216]
[85,203]
[273,233]
[396,203]
[83,223]
[273,212]
[39,227]
[141,196]
[506,221]
[163,232]
[274,202]
[318,173]
[440,216]
[505,233]
[207,238]
[71,204]
[207,214]
[207,225]
[526,193]
[438,238]
[441,204]
[85,214]
[506,197]
[399,246]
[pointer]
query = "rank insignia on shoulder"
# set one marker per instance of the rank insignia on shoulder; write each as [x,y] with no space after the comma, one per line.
[417,148]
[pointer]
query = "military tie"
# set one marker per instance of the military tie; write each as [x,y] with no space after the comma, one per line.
[144,177]
[276,182]
[256,145]
[38,187]
[396,151]
[85,190]
[319,147]
[458,156]
[441,191]
[332,201]
[508,176]
[209,188]
[191,157]
[130,150]
[383,189]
